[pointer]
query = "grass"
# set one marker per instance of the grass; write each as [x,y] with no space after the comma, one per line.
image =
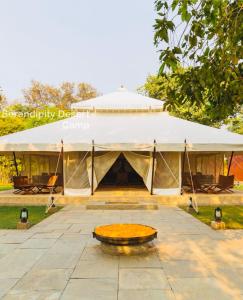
[232,215]
[9,215]
[238,187]
[6,187]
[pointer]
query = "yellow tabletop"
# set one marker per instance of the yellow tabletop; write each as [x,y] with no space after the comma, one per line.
[124,231]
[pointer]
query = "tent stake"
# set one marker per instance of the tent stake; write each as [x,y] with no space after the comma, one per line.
[183,167]
[230,162]
[15,163]
[152,179]
[92,168]
[62,155]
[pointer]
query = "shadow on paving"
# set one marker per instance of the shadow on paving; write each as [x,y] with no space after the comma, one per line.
[59,259]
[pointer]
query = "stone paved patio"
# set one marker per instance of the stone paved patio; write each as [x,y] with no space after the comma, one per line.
[59,259]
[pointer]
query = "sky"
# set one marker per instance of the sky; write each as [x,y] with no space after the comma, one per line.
[105,43]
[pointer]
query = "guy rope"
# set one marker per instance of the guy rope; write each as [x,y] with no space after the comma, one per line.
[194,202]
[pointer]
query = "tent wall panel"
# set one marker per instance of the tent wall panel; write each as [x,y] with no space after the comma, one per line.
[167,173]
[39,164]
[206,164]
[76,179]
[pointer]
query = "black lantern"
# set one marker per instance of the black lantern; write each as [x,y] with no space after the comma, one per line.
[190,203]
[218,214]
[52,202]
[24,215]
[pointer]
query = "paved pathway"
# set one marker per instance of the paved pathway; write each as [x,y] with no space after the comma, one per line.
[59,259]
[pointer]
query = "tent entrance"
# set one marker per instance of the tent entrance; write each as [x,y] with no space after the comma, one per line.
[121,174]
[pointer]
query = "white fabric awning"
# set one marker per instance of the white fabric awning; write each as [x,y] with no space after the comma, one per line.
[122,132]
[120,100]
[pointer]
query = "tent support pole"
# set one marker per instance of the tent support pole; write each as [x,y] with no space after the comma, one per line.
[183,167]
[15,164]
[152,179]
[92,168]
[230,162]
[62,155]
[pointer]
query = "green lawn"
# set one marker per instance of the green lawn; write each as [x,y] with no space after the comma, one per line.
[238,187]
[232,215]
[6,187]
[9,215]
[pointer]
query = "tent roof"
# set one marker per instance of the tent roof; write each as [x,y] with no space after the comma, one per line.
[120,100]
[122,131]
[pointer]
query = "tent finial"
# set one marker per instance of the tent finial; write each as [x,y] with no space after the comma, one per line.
[122,88]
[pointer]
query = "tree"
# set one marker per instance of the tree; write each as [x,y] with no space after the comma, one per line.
[205,36]
[11,124]
[19,117]
[7,168]
[161,87]
[3,100]
[236,124]
[65,95]
[41,95]
[86,91]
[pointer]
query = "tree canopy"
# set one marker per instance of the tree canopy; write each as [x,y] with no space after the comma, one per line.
[44,104]
[40,95]
[236,124]
[3,100]
[205,37]
[19,117]
[162,86]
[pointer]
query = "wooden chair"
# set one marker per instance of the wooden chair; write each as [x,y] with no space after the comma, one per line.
[198,187]
[21,185]
[225,184]
[202,183]
[50,186]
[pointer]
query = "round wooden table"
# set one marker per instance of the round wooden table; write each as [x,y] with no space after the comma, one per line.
[124,234]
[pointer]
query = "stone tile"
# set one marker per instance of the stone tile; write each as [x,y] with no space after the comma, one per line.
[67,246]
[17,263]
[91,289]
[42,280]
[108,268]
[178,250]
[87,228]
[33,295]
[57,261]
[201,289]
[47,235]
[222,258]
[231,277]
[94,253]
[184,248]
[13,239]
[75,228]
[74,237]
[55,226]
[186,268]
[6,284]
[140,261]
[38,243]
[91,242]
[145,295]
[2,255]
[7,248]
[141,279]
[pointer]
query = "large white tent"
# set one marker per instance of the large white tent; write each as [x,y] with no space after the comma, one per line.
[122,122]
